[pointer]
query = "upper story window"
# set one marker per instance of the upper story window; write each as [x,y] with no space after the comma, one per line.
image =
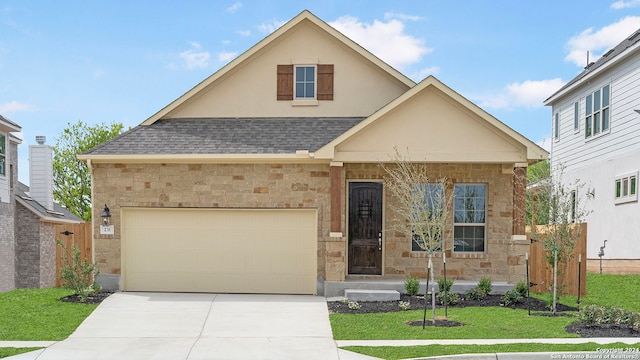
[305,80]
[3,154]
[308,83]
[597,112]
[469,217]
[576,116]
[556,126]
[626,188]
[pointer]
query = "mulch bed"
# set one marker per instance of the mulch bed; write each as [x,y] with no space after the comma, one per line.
[538,308]
[95,298]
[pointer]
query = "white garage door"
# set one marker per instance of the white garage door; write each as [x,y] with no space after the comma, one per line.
[219,250]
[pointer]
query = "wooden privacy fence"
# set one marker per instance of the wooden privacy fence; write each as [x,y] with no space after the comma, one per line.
[541,272]
[78,234]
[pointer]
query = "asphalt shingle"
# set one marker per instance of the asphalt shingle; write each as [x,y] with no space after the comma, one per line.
[227,136]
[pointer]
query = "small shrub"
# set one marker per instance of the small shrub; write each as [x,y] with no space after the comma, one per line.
[512,297]
[450,298]
[77,275]
[475,294]
[522,288]
[485,285]
[442,286]
[353,305]
[404,305]
[412,285]
[594,314]
[344,300]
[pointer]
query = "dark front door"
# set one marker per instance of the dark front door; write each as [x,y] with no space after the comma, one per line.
[365,228]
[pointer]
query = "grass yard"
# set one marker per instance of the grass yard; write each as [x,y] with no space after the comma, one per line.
[480,323]
[6,352]
[36,314]
[397,352]
[486,323]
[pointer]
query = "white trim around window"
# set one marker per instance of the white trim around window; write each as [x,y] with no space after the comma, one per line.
[626,188]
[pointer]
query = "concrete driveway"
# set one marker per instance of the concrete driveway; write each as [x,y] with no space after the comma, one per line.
[201,326]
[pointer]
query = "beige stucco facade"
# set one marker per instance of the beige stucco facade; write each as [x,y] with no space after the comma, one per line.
[434,124]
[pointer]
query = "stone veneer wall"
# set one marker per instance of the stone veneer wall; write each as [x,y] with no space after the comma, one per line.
[206,186]
[47,265]
[503,259]
[27,249]
[7,247]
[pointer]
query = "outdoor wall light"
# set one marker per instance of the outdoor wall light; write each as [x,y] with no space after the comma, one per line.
[106,216]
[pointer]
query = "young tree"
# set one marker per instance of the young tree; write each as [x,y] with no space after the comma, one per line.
[566,210]
[421,204]
[71,178]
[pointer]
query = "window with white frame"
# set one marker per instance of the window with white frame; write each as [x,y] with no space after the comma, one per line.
[556,126]
[431,208]
[305,82]
[576,116]
[3,154]
[597,118]
[469,217]
[626,189]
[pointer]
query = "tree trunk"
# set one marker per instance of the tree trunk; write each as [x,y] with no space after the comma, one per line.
[555,279]
[433,293]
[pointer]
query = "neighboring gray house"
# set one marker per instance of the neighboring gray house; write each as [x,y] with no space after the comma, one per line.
[27,215]
[596,137]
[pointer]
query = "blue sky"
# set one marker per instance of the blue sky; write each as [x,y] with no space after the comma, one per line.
[121,61]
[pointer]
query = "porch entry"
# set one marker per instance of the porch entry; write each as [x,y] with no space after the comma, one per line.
[365,228]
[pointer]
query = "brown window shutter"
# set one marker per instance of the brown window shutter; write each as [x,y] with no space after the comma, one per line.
[325,82]
[285,82]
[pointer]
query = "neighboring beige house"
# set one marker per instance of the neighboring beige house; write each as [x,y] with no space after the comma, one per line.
[264,178]
[28,215]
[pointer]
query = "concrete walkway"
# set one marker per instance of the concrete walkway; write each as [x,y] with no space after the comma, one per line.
[201,326]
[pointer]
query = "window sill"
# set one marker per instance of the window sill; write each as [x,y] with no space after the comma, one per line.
[304,102]
[626,200]
[597,136]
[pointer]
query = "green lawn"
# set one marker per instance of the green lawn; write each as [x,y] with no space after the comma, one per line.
[36,314]
[486,323]
[6,352]
[398,352]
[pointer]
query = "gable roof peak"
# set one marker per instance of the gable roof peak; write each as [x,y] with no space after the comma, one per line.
[303,16]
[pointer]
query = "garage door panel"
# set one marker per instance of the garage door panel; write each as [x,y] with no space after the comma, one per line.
[220,250]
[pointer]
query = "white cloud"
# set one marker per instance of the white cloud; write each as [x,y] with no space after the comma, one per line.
[270,26]
[244,32]
[545,143]
[422,74]
[400,16]
[235,7]
[14,107]
[529,93]
[195,57]
[387,40]
[599,41]
[619,5]
[226,56]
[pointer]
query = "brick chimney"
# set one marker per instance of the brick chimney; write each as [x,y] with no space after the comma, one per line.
[41,173]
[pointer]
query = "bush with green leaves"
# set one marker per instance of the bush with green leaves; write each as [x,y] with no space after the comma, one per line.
[480,291]
[594,314]
[485,285]
[515,295]
[412,285]
[77,274]
[445,288]
[450,298]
